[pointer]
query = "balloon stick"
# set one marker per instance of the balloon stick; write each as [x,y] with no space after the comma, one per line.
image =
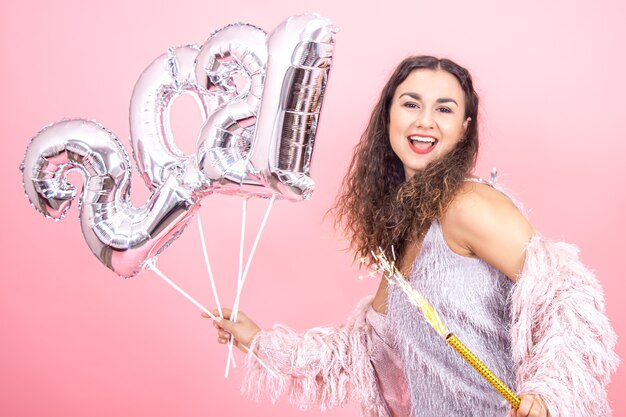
[208,267]
[245,272]
[233,315]
[152,266]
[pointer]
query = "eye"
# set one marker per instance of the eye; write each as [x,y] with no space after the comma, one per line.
[411,105]
[444,109]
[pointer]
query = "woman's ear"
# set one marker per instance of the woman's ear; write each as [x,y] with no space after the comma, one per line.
[466,124]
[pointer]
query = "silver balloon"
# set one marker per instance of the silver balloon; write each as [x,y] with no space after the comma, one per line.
[235,53]
[300,55]
[120,235]
[168,77]
[260,99]
[261,142]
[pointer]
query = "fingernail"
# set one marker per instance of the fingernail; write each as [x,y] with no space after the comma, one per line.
[218,319]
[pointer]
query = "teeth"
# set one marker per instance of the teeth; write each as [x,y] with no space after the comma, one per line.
[422,139]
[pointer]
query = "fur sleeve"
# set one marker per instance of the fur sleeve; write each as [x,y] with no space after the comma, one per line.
[563,343]
[324,366]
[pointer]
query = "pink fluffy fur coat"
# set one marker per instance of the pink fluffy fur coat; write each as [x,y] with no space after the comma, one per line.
[562,343]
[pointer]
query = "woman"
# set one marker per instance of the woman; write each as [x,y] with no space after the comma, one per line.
[526,306]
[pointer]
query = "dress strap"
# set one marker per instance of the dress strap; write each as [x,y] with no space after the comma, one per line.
[492,179]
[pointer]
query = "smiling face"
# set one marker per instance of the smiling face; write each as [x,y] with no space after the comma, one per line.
[426,118]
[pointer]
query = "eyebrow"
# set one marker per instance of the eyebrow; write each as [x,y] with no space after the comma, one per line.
[442,100]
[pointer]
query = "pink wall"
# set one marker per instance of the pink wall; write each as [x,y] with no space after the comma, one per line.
[77,340]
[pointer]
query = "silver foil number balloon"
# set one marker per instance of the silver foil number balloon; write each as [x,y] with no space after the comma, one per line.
[297,71]
[268,151]
[260,99]
[120,235]
[236,53]
[170,76]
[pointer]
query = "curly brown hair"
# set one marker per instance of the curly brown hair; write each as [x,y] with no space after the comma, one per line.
[375,205]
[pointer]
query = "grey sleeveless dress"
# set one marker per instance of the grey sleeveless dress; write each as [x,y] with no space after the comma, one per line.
[472,299]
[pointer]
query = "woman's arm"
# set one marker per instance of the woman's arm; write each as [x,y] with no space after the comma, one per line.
[482,222]
[324,366]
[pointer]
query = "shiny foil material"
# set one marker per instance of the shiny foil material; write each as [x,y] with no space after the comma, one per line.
[120,235]
[260,98]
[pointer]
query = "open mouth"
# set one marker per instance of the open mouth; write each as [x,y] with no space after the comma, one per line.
[422,144]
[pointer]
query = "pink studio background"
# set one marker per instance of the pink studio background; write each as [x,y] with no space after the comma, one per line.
[77,340]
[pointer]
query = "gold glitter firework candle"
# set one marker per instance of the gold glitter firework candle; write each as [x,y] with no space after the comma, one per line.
[483,370]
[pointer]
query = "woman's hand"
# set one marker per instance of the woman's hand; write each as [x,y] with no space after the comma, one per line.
[531,406]
[243,330]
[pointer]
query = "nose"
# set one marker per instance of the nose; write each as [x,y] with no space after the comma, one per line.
[424,119]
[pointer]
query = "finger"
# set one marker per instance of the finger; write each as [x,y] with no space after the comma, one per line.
[223,335]
[226,312]
[222,313]
[225,324]
[241,346]
[215,313]
[537,409]
[525,406]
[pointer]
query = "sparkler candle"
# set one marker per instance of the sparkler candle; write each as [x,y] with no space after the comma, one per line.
[394,276]
[483,370]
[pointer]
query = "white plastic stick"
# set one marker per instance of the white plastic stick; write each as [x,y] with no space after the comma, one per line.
[153,267]
[258,237]
[235,310]
[241,241]
[233,315]
[208,267]
[254,245]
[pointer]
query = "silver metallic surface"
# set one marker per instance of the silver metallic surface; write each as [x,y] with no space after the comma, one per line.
[233,61]
[119,234]
[166,78]
[300,54]
[260,100]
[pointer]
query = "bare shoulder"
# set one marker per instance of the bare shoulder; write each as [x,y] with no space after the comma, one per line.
[483,222]
[478,202]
